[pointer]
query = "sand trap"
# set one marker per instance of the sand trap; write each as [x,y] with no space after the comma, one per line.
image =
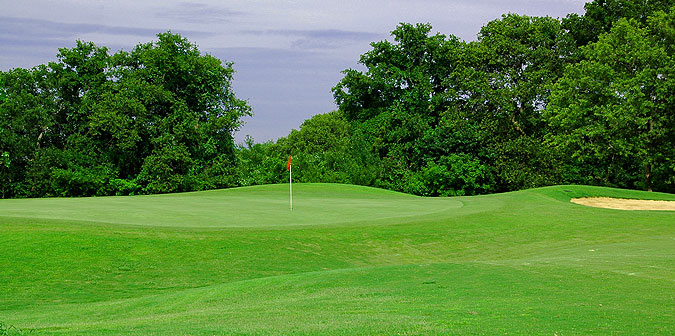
[625,204]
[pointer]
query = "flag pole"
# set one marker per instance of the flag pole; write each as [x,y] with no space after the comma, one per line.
[290,179]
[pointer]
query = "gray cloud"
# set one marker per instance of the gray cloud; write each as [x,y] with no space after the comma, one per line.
[553,8]
[198,13]
[22,29]
[35,28]
[16,43]
[264,58]
[28,42]
[320,39]
[319,33]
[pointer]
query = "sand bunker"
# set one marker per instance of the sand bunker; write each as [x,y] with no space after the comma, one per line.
[625,204]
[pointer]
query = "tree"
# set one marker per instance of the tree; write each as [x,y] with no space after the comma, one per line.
[431,104]
[175,108]
[159,118]
[324,149]
[260,163]
[504,88]
[601,15]
[401,95]
[612,112]
[26,128]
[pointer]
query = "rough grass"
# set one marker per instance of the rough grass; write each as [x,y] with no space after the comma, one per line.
[347,260]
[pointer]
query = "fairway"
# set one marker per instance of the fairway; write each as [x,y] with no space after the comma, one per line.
[347,260]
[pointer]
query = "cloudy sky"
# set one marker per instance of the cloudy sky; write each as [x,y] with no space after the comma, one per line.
[288,54]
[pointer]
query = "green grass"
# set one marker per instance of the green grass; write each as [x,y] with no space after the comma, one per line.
[347,260]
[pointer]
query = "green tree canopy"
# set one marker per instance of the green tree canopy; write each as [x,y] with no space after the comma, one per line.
[504,88]
[401,96]
[601,15]
[434,107]
[324,149]
[612,113]
[158,118]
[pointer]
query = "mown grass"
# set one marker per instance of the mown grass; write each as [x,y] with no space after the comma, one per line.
[347,260]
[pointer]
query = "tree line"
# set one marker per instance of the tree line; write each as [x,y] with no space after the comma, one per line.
[534,101]
[156,119]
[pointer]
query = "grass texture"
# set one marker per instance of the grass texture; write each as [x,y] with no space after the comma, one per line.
[347,260]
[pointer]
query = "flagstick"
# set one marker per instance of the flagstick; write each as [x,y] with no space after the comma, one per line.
[290,181]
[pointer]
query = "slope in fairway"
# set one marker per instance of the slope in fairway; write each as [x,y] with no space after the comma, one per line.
[260,206]
[351,260]
[469,298]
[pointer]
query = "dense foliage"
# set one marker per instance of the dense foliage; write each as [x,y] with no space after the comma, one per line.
[614,111]
[158,118]
[325,149]
[533,101]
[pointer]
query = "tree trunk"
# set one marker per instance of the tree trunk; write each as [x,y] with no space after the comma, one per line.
[648,166]
[515,123]
[648,177]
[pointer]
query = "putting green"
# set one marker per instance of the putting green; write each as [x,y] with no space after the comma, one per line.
[259,206]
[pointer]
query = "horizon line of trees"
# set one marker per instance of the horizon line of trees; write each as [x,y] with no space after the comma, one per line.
[534,101]
[156,119]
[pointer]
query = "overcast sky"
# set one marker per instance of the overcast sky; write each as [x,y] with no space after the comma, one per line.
[287,54]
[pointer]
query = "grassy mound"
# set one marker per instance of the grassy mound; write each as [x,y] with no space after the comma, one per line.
[347,260]
[260,206]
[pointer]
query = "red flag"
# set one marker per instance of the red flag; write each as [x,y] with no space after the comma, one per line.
[288,167]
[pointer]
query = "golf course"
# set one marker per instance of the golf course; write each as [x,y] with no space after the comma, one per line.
[347,260]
